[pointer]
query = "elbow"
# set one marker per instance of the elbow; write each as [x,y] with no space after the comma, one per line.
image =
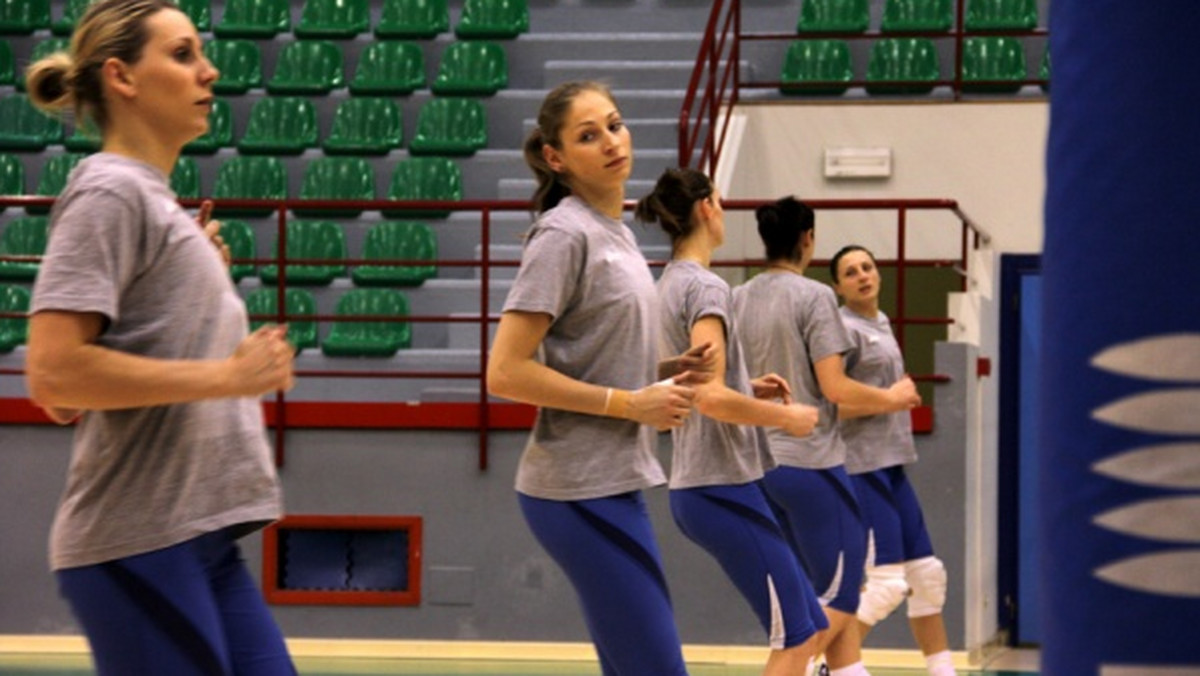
[46,388]
[499,381]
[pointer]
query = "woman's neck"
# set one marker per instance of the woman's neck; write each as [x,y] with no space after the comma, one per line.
[132,140]
[781,265]
[611,203]
[865,308]
[691,249]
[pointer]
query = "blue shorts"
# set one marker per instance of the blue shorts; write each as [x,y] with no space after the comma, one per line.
[893,516]
[189,609]
[607,549]
[818,509]
[735,525]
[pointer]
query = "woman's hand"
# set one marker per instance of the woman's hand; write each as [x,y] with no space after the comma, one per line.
[663,405]
[262,362]
[212,230]
[800,419]
[772,386]
[904,394]
[700,361]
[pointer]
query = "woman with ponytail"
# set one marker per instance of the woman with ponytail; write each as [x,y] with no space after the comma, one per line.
[578,339]
[720,451]
[790,325]
[138,332]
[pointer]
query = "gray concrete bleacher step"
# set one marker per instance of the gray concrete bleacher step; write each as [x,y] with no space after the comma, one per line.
[631,74]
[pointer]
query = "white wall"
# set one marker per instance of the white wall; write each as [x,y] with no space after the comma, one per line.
[988,157]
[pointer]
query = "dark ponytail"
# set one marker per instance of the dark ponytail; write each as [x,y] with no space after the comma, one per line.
[671,202]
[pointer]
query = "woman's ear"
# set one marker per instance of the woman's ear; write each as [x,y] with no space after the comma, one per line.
[552,157]
[117,78]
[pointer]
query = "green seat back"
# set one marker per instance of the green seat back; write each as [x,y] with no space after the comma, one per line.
[25,236]
[413,19]
[23,127]
[365,126]
[847,16]
[425,178]
[816,67]
[313,240]
[1044,70]
[40,51]
[337,178]
[474,68]
[250,178]
[239,237]
[185,178]
[84,138]
[8,65]
[917,15]
[450,126]
[495,19]
[199,11]
[240,63]
[908,60]
[298,303]
[14,331]
[71,11]
[398,240]
[22,17]
[389,67]
[369,338]
[1001,15]
[993,58]
[333,19]
[220,131]
[53,179]
[12,176]
[254,19]
[308,67]
[280,125]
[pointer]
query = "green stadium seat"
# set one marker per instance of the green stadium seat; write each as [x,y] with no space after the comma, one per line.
[337,178]
[298,303]
[250,178]
[84,138]
[333,19]
[908,60]
[1001,15]
[71,11]
[993,59]
[308,67]
[280,125]
[54,178]
[310,240]
[8,64]
[917,15]
[397,240]
[493,19]
[12,176]
[844,16]
[473,68]
[413,19]
[219,134]
[450,126]
[185,179]
[14,331]
[25,236]
[22,17]
[817,68]
[23,127]
[41,50]
[240,63]
[1044,70]
[428,179]
[369,338]
[199,11]
[365,126]
[239,236]
[254,19]
[389,68]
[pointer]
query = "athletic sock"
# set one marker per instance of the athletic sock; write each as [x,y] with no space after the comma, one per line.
[940,664]
[856,669]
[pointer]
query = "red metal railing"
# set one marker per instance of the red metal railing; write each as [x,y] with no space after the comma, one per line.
[716,84]
[483,415]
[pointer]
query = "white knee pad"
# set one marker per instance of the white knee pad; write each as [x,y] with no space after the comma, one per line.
[927,577]
[883,592]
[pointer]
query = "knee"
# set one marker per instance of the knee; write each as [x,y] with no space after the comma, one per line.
[927,578]
[884,591]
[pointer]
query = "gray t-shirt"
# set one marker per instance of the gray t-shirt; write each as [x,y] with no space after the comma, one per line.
[586,271]
[787,323]
[143,479]
[877,441]
[708,452]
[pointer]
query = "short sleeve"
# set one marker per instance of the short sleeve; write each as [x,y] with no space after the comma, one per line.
[551,266]
[96,241]
[823,330]
[708,298]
